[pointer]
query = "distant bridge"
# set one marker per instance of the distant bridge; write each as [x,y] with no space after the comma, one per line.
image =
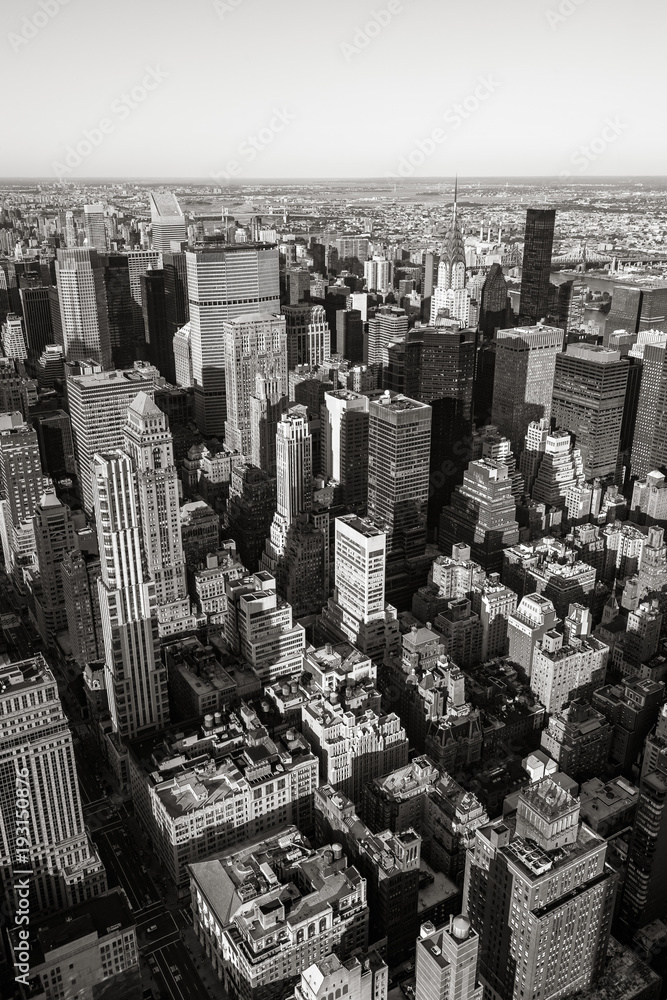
[582,258]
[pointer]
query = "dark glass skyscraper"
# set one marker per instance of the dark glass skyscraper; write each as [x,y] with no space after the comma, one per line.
[154,308]
[538,244]
[626,307]
[654,309]
[123,313]
[38,321]
[446,383]
[398,463]
[588,399]
[175,290]
[494,305]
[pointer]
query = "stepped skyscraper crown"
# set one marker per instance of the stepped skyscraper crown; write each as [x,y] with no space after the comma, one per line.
[452,269]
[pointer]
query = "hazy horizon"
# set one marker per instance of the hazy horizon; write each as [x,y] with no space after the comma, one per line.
[421,179]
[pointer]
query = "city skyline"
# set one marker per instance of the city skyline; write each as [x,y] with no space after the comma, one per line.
[333,501]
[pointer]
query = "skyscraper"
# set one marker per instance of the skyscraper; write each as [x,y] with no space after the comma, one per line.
[138,262]
[446,962]
[154,310]
[626,307]
[588,401]
[255,344]
[36,743]
[524,378]
[540,899]
[83,306]
[148,441]
[452,266]
[357,612]
[98,403]
[175,290]
[126,331]
[37,316]
[167,220]
[70,230]
[308,335]
[494,304]
[646,880]
[446,378]
[450,296]
[250,510]
[80,572]
[13,339]
[559,469]
[378,274]
[224,283]
[535,270]
[654,309]
[389,323]
[649,450]
[481,514]
[21,486]
[294,461]
[135,678]
[399,444]
[295,548]
[527,626]
[96,236]
[54,538]
[267,405]
[448,366]
[345,444]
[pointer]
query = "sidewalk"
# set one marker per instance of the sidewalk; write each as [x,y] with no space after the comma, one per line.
[203,965]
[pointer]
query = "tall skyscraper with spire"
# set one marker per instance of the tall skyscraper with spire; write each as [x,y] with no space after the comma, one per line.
[451,294]
[452,267]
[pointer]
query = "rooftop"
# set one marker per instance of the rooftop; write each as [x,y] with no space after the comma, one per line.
[624,976]
[99,916]
[16,677]
[548,799]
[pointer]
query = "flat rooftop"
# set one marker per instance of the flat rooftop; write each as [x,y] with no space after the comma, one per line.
[16,677]
[101,916]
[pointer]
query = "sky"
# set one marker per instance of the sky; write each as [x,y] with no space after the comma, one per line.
[234,90]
